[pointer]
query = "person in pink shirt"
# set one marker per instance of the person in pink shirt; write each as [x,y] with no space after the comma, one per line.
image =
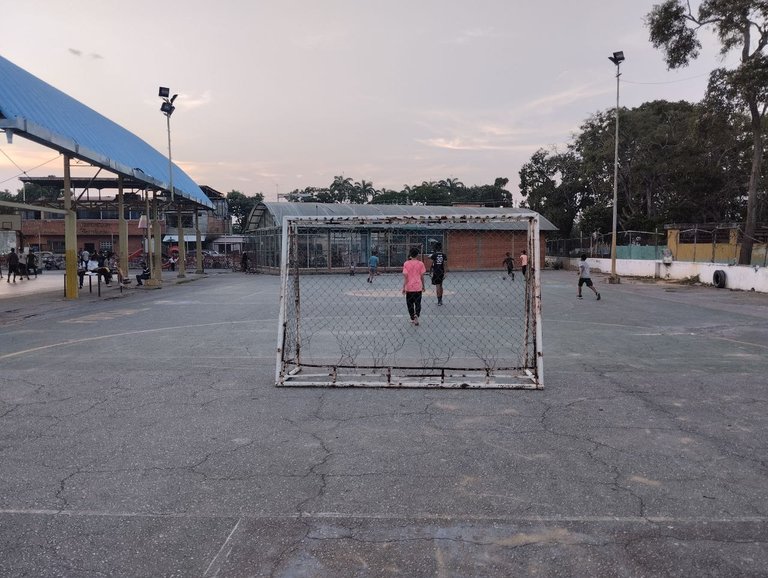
[524,261]
[413,284]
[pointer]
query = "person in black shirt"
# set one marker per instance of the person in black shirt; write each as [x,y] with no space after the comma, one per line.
[143,275]
[13,265]
[438,270]
[509,263]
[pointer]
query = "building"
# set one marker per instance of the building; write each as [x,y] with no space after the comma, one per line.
[97,216]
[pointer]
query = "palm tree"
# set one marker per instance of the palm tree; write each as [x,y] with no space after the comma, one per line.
[341,188]
[363,192]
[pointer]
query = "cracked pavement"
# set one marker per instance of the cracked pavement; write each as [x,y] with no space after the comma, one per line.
[143,436]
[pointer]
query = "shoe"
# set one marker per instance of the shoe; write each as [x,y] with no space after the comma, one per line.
[439,303]
[416,321]
[580,297]
[598,296]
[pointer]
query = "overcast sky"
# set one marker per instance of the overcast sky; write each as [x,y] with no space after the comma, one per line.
[276,95]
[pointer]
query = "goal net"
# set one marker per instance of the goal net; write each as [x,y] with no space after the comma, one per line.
[343,324]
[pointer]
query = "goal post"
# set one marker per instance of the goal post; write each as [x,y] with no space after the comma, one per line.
[343,325]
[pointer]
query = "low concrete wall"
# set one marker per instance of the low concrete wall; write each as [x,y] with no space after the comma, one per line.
[741,277]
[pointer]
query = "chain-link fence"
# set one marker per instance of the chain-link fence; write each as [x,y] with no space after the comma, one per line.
[350,324]
[629,245]
[709,243]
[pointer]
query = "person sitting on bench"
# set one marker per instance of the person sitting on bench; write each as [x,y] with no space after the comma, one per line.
[143,275]
[90,266]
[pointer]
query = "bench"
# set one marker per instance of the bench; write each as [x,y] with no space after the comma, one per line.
[91,275]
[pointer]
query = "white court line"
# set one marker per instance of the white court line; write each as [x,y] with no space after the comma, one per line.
[452,517]
[111,335]
[224,545]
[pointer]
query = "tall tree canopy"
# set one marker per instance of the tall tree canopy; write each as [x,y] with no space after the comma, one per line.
[444,192]
[678,162]
[740,26]
[240,207]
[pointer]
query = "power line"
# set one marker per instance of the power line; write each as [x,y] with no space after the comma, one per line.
[23,172]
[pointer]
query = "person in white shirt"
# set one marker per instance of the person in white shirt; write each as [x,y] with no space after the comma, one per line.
[584,276]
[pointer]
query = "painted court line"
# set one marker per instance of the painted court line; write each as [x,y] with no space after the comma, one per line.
[452,517]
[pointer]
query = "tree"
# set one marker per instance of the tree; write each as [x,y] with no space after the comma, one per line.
[740,25]
[551,184]
[341,189]
[362,192]
[678,162]
[6,195]
[240,207]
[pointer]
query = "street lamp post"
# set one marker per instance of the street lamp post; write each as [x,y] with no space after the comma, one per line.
[167,109]
[617,59]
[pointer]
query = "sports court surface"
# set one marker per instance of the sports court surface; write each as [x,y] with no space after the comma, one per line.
[142,436]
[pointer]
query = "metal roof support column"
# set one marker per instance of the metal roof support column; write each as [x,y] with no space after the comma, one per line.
[70,236]
[198,245]
[157,263]
[182,245]
[122,229]
[147,257]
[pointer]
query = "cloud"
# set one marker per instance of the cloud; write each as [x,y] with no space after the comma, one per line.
[471,144]
[473,34]
[568,96]
[189,102]
[79,53]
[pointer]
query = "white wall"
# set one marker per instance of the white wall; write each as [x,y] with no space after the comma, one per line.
[742,277]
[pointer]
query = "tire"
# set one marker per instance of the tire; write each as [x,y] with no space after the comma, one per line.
[718,279]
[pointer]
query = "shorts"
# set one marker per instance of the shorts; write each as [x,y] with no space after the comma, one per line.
[585,281]
[437,278]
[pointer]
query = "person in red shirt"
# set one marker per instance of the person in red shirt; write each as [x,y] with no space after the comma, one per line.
[413,284]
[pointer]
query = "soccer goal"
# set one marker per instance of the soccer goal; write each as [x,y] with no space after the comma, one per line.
[342,324]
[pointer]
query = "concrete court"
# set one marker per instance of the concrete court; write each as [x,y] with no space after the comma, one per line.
[140,435]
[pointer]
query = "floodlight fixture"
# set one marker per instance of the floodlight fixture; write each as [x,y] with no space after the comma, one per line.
[617,57]
[164,92]
[167,108]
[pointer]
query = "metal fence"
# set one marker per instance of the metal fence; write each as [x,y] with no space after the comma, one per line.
[645,245]
[691,243]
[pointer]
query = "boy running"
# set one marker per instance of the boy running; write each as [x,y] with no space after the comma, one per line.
[509,263]
[584,278]
[523,261]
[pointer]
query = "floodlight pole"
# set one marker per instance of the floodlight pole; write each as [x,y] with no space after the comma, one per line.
[617,59]
[167,109]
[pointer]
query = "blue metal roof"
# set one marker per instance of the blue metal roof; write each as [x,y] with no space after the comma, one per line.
[36,110]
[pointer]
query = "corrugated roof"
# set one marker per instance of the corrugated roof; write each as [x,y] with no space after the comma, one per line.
[280,210]
[36,110]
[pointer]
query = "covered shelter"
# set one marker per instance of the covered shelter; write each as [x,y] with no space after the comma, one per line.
[32,109]
[328,249]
